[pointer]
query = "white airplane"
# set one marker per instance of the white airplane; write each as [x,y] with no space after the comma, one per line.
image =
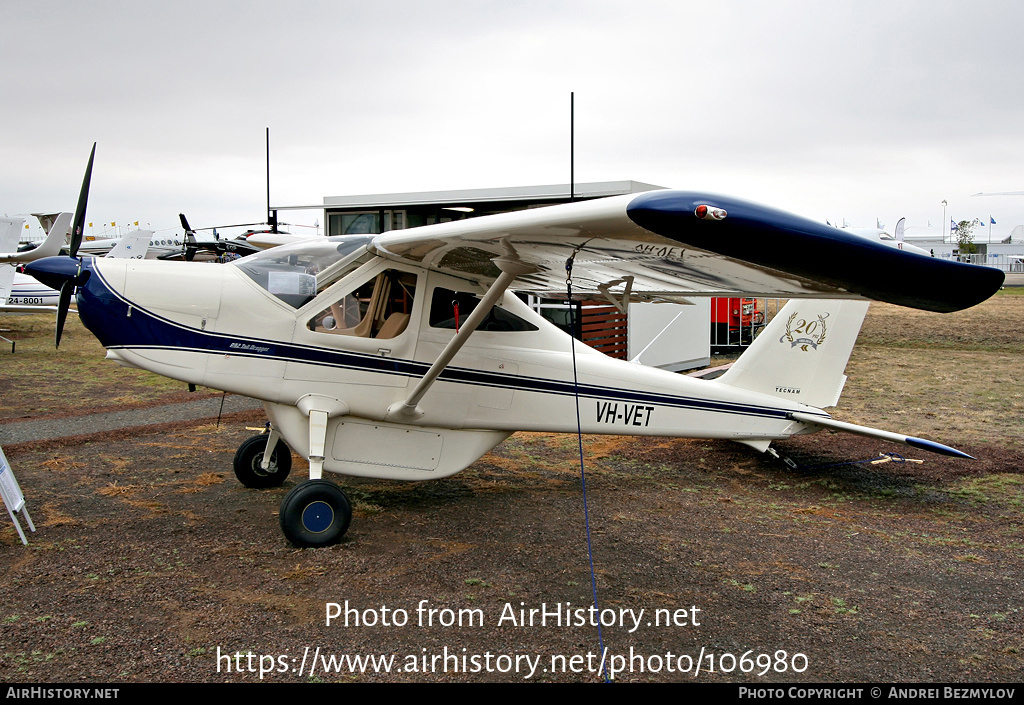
[407,355]
[155,246]
[22,293]
[55,239]
[898,241]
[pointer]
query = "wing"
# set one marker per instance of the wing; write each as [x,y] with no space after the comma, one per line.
[668,245]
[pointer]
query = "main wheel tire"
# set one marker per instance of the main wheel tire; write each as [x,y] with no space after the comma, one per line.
[249,459]
[315,513]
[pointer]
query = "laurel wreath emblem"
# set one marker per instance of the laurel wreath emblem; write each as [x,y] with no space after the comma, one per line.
[813,332]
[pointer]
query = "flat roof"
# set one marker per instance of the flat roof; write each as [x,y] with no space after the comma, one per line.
[598,189]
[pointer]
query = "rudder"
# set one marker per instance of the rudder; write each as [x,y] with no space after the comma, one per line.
[802,354]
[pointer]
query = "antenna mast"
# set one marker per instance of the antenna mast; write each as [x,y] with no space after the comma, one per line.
[572,146]
[271,215]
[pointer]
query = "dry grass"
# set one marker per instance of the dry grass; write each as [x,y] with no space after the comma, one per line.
[946,376]
[40,380]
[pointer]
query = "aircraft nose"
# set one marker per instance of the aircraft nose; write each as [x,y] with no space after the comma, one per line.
[54,271]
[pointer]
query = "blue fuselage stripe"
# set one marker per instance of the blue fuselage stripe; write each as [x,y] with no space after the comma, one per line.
[105,312]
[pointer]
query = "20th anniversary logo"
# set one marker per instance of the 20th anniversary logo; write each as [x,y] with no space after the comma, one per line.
[813,332]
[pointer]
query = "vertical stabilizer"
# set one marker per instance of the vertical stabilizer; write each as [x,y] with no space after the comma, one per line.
[802,354]
[134,245]
[10,233]
[6,282]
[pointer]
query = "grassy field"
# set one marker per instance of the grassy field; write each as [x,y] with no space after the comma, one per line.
[954,376]
[39,380]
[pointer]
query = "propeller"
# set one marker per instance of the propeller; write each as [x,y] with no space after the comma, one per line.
[68,287]
[66,274]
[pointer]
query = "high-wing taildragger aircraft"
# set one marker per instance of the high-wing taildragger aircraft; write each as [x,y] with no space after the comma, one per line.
[407,355]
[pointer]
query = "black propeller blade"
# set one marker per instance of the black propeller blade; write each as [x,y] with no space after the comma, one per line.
[63,304]
[83,201]
[67,288]
[188,246]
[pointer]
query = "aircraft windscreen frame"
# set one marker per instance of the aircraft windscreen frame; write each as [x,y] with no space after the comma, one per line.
[295,273]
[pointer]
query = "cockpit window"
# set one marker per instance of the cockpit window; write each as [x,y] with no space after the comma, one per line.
[295,273]
[379,307]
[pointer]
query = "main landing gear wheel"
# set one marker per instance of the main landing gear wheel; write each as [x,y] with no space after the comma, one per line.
[249,459]
[315,513]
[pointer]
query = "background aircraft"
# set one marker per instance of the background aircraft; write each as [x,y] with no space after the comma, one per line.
[55,239]
[896,240]
[22,293]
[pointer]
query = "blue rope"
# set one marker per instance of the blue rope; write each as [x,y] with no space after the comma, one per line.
[579,437]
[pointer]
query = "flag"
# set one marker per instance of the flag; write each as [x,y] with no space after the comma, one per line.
[952,225]
[136,223]
[113,224]
[991,220]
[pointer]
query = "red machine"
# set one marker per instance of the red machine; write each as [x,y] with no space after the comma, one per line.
[734,321]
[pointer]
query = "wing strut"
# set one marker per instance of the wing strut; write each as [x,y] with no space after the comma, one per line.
[511,267]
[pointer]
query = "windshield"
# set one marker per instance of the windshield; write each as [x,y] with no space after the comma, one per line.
[294,273]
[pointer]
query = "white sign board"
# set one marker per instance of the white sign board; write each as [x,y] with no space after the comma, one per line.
[12,496]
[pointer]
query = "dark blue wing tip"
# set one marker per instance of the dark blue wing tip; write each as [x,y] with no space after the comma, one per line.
[937,448]
[789,243]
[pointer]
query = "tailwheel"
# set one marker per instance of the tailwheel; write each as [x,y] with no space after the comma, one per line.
[315,513]
[249,463]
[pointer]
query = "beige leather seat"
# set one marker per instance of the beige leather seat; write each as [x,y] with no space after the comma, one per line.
[393,326]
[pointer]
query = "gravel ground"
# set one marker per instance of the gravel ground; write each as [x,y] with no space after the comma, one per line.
[152,564]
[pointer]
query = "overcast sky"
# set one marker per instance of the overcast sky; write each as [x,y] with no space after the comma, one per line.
[857,110]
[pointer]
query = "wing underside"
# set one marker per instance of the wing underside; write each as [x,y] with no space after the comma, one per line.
[657,246]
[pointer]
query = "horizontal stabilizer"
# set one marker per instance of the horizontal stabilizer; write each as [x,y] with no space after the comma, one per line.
[931,446]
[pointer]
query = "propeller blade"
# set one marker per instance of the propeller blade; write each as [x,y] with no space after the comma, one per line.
[188,253]
[83,202]
[63,304]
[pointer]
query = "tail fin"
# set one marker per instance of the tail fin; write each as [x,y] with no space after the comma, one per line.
[802,354]
[10,233]
[134,245]
[6,282]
